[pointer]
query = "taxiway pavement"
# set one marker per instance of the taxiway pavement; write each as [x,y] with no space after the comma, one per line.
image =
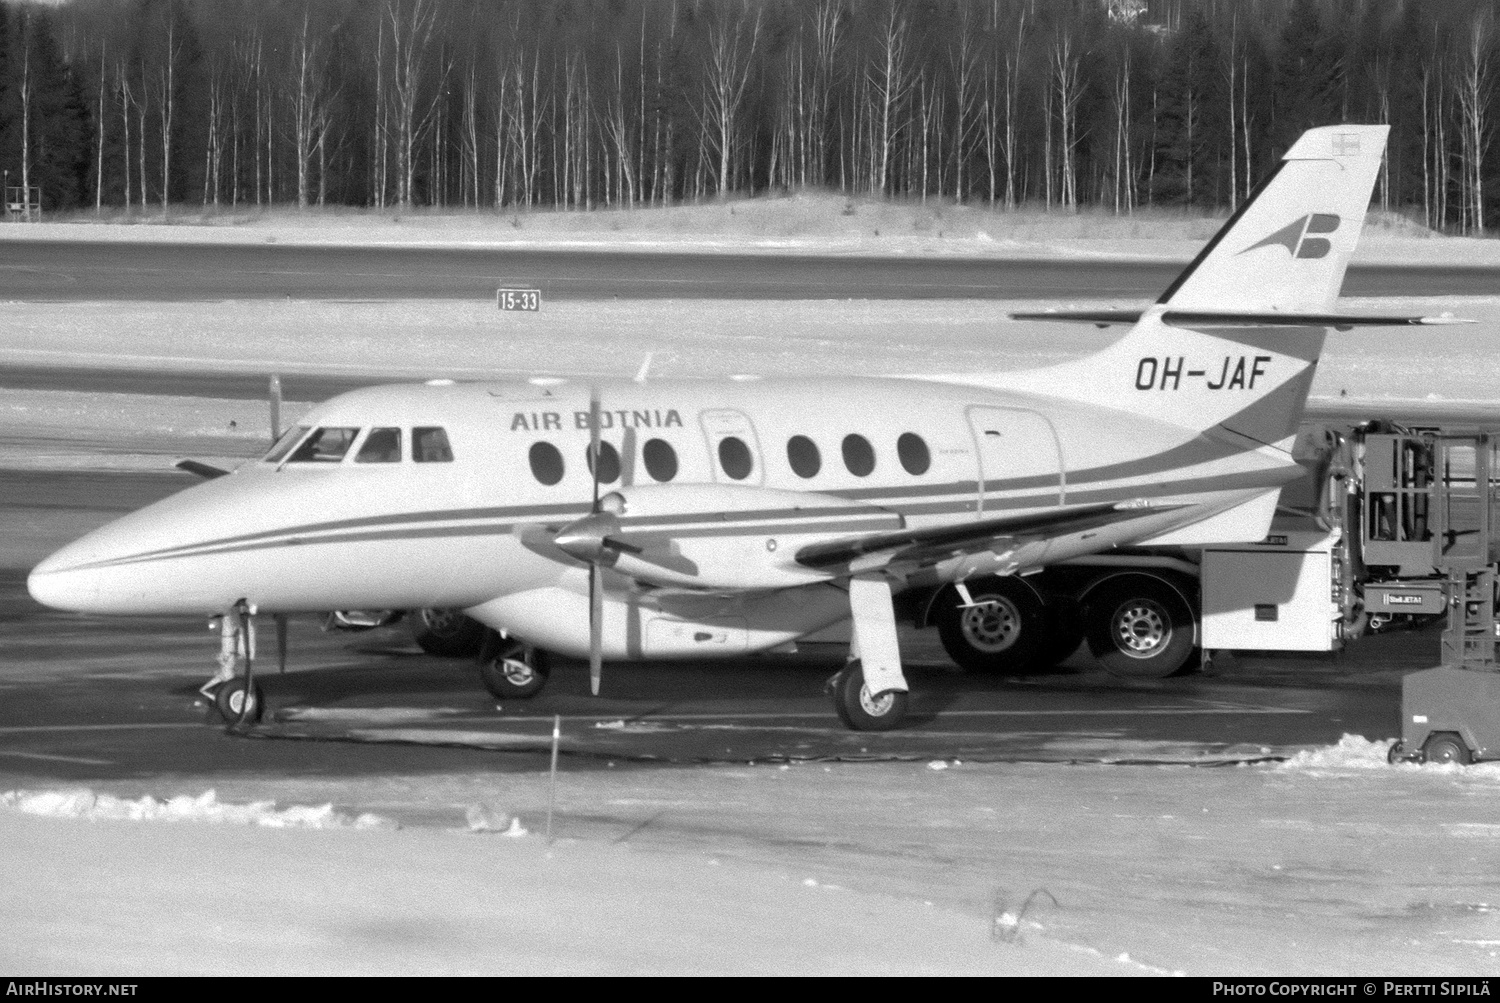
[43,270]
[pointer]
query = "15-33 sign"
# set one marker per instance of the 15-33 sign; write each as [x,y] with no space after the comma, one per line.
[519,299]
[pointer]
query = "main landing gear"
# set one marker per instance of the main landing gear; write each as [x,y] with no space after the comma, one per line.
[235,695]
[511,669]
[870,692]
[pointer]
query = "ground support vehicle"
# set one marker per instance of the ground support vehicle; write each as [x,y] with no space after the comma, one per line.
[1388,529]
[1451,713]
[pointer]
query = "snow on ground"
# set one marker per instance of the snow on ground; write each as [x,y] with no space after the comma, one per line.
[1324,865]
[136,898]
[804,222]
[206,807]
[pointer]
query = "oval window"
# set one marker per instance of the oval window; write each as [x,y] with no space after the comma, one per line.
[859,455]
[802,454]
[609,462]
[546,463]
[735,458]
[913,453]
[660,459]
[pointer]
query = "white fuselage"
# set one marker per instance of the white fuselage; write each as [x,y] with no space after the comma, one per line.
[718,572]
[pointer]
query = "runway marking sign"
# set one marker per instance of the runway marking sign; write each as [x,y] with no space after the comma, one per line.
[527,300]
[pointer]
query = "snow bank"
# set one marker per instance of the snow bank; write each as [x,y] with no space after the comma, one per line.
[1355,752]
[206,807]
[813,222]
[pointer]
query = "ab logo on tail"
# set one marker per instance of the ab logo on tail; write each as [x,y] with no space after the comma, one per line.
[1298,237]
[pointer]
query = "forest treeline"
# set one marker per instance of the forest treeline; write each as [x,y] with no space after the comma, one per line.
[145,104]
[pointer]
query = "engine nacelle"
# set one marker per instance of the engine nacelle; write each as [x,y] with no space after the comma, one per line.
[664,626]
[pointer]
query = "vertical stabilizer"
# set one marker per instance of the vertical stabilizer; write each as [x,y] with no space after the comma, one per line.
[1287,249]
[1242,369]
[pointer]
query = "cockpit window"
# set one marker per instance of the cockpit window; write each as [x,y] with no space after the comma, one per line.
[430,445]
[326,445]
[284,445]
[382,445]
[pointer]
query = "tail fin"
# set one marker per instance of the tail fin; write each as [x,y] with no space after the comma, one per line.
[1234,340]
[1288,247]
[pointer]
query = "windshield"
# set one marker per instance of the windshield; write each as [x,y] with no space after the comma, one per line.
[284,445]
[326,445]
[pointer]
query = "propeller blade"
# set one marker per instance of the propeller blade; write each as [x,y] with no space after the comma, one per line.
[596,627]
[281,641]
[594,446]
[627,459]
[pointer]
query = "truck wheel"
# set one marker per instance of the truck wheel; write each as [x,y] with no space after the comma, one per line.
[1446,747]
[1140,628]
[1002,633]
[446,633]
[858,708]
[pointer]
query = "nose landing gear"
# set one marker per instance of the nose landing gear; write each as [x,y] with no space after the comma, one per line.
[236,696]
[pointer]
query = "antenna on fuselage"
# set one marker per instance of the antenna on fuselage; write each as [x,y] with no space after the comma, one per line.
[275,392]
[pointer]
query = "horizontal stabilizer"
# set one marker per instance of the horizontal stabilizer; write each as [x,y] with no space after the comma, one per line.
[940,541]
[197,469]
[1211,318]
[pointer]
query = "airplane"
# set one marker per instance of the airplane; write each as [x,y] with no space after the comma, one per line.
[625,520]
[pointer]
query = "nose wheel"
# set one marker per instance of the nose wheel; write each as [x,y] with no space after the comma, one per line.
[236,697]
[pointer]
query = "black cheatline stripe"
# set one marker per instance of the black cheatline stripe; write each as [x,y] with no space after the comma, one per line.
[515,511]
[1223,232]
[1249,479]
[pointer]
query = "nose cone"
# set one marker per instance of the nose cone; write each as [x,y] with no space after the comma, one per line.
[59,582]
[126,566]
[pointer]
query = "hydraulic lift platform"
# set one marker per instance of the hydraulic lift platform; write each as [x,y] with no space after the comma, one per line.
[1451,713]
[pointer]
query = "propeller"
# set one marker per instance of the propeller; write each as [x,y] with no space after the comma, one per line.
[593,539]
[596,570]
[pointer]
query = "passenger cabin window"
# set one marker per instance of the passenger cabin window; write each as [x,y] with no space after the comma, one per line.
[430,445]
[859,455]
[913,453]
[660,459]
[546,463]
[802,454]
[284,445]
[735,458]
[326,445]
[609,462]
[382,445]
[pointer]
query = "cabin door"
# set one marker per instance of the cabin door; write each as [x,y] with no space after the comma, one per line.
[1019,459]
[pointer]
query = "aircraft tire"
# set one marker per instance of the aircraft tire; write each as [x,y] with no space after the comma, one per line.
[229,700]
[1140,628]
[858,709]
[1446,747]
[1007,637]
[446,633]
[514,671]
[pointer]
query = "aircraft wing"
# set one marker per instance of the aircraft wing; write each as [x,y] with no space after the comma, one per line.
[925,546]
[1218,318]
